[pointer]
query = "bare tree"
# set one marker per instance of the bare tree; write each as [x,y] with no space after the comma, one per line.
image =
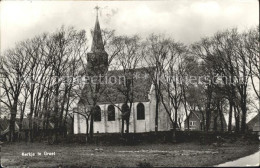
[128,59]
[154,51]
[13,71]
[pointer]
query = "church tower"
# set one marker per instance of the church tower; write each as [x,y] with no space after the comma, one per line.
[97,58]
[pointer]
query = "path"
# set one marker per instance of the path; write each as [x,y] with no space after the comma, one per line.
[251,160]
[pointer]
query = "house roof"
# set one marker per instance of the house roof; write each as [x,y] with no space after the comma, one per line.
[114,90]
[16,128]
[3,124]
[25,123]
[253,121]
[196,113]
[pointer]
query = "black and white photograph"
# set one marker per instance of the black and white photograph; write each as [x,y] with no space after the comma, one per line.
[148,83]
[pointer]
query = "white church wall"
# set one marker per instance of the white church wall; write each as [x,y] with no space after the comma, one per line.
[76,123]
[143,125]
[112,126]
[164,123]
[152,107]
[98,126]
[131,119]
[79,124]
[138,126]
[163,118]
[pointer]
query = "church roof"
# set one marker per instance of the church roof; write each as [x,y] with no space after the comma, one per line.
[97,43]
[114,90]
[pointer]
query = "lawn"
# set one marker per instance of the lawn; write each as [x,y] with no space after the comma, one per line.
[79,155]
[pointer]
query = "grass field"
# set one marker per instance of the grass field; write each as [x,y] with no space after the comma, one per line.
[79,155]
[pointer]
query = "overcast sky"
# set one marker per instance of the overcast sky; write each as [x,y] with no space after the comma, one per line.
[185,21]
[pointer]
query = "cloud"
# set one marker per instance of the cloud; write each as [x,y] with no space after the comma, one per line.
[185,21]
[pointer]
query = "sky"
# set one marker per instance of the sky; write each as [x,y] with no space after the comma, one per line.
[183,20]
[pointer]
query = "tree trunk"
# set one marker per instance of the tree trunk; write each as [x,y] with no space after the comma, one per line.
[244,112]
[237,119]
[221,121]
[56,110]
[208,117]
[174,132]
[156,112]
[186,111]
[123,125]
[215,126]
[175,118]
[63,106]
[91,131]
[12,121]
[179,122]
[220,113]
[21,120]
[230,115]
[127,125]
[208,111]
[87,127]
[66,114]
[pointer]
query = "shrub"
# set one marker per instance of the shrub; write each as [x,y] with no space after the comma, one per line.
[144,164]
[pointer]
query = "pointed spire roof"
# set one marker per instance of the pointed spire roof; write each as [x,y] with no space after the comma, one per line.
[97,43]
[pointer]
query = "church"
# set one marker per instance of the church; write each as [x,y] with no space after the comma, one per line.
[111,104]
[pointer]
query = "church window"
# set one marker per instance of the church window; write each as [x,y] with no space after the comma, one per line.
[97,114]
[111,113]
[140,111]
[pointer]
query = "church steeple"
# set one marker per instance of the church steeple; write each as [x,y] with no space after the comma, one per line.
[97,57]
[97,43]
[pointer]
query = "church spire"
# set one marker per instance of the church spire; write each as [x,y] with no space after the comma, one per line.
[97,58]
[97,43]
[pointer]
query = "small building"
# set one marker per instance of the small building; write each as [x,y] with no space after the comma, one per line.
[254,124]
[4,125]
[197,121]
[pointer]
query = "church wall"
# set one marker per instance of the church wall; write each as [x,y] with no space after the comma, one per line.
[99,125]
[112,126]
[143,125]
[152,107]
[76,123]
[105,126]
[134,124]
[79,124]
[138,126]
[164,123]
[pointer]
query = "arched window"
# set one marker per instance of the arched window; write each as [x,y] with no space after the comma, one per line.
[140,111]
[97,114]
[111,113]
[125,111]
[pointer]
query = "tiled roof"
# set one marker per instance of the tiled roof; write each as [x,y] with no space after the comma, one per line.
[115,93]
[3,124]
[254,121]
